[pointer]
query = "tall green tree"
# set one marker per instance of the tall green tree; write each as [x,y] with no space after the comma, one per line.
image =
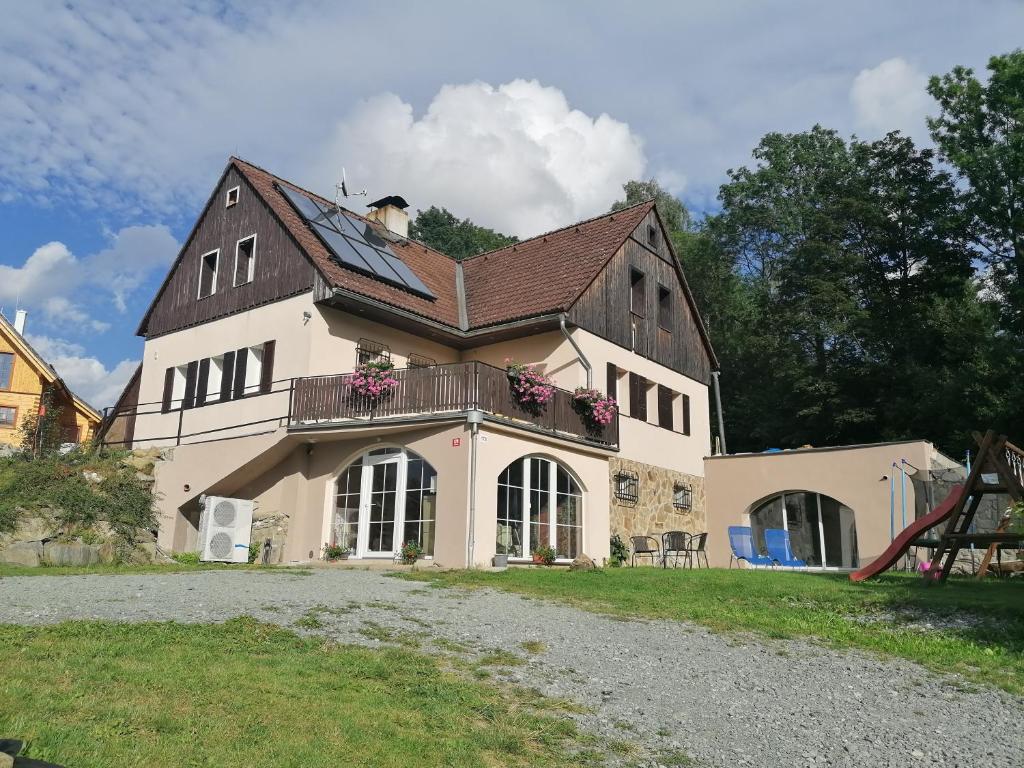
[442,230]
[980,131]
[671,209]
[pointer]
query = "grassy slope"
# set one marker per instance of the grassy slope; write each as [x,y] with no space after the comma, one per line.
[243,693]
[988,648]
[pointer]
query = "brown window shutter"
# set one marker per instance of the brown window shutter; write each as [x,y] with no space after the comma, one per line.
[665,407]
[191,374]
[612,382]
[203,381]
[227,377]
[267,372]
[686,414]
[638,397]
[241,358]
[634,386]
[168,390]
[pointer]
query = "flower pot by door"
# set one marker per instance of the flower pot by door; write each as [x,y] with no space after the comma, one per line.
[501,561]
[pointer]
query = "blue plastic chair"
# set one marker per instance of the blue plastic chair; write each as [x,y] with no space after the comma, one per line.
[776,541]
[741,540]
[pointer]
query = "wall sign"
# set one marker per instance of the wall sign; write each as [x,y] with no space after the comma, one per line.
[456,442]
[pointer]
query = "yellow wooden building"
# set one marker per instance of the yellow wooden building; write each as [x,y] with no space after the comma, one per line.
[24,378]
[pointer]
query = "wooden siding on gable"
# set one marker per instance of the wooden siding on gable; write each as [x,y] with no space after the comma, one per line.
[281,269]
[604,308]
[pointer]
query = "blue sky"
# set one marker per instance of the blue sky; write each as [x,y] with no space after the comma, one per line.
[117,119]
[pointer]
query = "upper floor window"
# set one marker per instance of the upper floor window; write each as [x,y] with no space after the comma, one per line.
[420,361]
[231,198]
[6,369]
[371,352]
[638,292]
[245,260]
[208,267]
[8,416]
[652,235]
[664,308]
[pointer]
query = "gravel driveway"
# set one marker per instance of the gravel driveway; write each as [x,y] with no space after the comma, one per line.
[669,686]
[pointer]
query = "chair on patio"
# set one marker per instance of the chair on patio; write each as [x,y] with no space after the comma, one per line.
[698,542]
[741,541]
[645,545]
[776,541]
[677,543]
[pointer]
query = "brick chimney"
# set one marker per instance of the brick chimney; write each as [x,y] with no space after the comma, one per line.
[390,211]
[19,321]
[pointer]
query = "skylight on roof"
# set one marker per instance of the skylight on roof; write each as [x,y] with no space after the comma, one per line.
[355,245]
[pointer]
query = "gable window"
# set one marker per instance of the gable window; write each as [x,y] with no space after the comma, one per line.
[371,352]
[208,265]
[8,416]
[652,235]
[682,496]
[664,308]
[638,292]
[231,198]
[6,369]
[419,361]
[245,260]
[627,487]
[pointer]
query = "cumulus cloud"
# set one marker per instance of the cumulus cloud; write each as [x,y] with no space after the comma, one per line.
[891,96]
[55,281]
[515,157]
[86,375]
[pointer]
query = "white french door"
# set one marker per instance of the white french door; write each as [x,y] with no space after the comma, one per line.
[379,510]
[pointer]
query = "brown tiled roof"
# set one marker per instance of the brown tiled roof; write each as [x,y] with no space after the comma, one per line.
[546,273]
[435,269]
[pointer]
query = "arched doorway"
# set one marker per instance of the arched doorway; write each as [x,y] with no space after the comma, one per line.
[383,499]
[528,489]
[822,530]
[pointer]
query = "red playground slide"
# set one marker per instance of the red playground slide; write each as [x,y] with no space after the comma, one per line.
[902,543]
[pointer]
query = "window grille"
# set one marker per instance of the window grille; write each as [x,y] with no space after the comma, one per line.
[627,487]
[682,496]
[371,352]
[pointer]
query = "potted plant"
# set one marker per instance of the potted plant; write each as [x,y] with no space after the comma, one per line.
[374,380]
[531,389]
[595,408]
[544,555]
[501,561]
[410,552]
[334,552]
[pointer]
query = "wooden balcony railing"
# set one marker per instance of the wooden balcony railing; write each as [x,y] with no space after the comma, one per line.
[450,388]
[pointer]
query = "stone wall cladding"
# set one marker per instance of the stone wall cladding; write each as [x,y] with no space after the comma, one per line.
[653,513]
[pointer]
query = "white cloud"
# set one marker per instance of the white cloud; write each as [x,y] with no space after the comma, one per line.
[890,97]
[53,280]
[87,376]
[515,157]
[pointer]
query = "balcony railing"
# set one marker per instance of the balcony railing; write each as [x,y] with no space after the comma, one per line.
[440,389]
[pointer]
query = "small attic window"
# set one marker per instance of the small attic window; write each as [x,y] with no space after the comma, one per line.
[652,235]
[231,198]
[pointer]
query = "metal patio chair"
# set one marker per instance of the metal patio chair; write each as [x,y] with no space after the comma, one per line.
[645,545]
[698,542]
[677,543]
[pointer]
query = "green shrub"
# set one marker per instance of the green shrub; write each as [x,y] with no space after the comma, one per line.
[186,558]
[619,551]
[78,489]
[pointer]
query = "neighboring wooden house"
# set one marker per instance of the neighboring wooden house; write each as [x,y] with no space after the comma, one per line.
[24,378]
[277,296]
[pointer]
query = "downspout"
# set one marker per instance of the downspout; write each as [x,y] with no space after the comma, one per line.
[474,418]
[718,408]
[579,352]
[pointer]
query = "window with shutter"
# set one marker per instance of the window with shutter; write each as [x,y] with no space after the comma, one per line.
[191,376]
[686,414]
[227,380]
[267,367]
[202,381]
[165,406]
[638,397]
[612,381]
[241,363]
[665,398]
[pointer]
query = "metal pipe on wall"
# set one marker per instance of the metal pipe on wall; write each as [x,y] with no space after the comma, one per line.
[718,408]
[579,352]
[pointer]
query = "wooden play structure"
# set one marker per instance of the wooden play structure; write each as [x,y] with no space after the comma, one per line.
[997,459]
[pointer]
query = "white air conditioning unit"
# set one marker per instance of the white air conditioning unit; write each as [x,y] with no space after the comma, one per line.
[225,526]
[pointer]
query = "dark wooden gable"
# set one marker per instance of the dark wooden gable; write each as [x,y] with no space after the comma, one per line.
[605,307]
[281,268]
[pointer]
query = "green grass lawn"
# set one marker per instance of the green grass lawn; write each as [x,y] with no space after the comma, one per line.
[879,615]
[243,693]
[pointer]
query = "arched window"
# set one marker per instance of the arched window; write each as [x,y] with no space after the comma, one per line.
[528,490]
[822,531]
[385,498]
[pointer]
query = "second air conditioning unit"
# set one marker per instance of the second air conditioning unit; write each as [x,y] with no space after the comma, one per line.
[225,526]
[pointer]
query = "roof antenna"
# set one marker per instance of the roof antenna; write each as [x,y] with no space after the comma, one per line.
[341,190]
